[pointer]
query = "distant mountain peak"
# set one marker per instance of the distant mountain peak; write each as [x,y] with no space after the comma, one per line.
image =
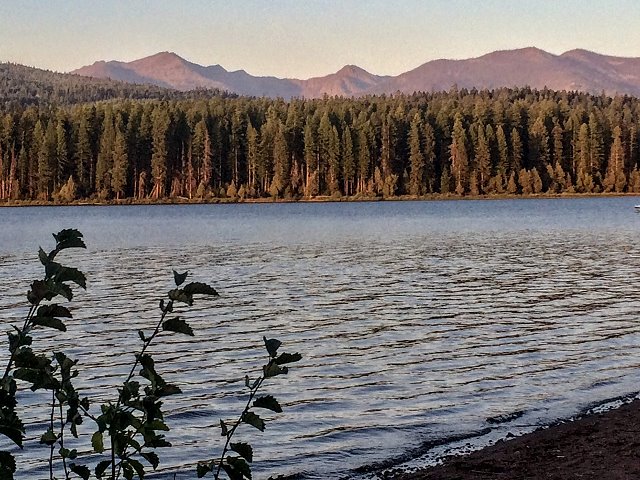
[529,66]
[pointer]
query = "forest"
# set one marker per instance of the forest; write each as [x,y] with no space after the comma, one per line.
[88,141]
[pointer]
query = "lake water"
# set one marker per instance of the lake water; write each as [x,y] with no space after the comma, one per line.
[418,321]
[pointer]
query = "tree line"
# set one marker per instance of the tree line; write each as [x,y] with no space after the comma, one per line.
[461,142]
[21,86]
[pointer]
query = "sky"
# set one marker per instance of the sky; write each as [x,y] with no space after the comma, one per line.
[306,38]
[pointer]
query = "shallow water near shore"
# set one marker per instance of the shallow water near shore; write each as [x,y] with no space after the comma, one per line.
[418,321]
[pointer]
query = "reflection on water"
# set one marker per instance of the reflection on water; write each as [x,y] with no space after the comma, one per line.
[417,321]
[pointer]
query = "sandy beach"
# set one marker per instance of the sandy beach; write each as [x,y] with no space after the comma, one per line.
[604,446]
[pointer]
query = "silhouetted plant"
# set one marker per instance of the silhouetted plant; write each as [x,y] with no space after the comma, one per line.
[41,372]
[130,429]
[133,423]
[237,467]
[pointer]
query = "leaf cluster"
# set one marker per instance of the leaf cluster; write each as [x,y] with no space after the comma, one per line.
[53,373]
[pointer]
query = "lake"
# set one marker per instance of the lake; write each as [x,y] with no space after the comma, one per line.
[419,322]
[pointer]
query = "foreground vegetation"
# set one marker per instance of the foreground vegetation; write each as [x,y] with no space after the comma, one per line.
[129,429]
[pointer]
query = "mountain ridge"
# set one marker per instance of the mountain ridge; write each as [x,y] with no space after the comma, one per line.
[576,69]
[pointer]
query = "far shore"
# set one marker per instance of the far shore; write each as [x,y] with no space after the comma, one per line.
[319,199]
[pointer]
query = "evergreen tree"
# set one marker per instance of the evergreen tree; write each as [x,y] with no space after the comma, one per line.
[616,179]
[348,161]
[416,158]
[458,156]
[159,157]
[105,155]
[429,155]
[503,151]
[483,161]
[120,163]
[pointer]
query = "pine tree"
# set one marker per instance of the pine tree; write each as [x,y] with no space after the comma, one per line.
[159,157]
[416,158]
[516,151]
[458,156]
[252,158]
[429,155]
[364,157]
[503,151]
[483,161]
[120,163]
[83,154]
[334,163]
[615,179]
[281,164]
[311,161]
[348,161]
[46,162]
[62,164]
[105,155]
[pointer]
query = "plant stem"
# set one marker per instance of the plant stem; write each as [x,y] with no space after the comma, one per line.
[115,475]
[25,326]
[216,476]
[52,446]
[62,424]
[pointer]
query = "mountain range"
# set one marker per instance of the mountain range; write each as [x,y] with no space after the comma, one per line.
[580,70]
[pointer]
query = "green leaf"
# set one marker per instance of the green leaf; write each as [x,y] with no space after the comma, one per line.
[97,442]
[179,277]
[204,468]
[49,322]
[69,238]
[288,358]
[44,258]
[53,310]
[39,290]
[102,467]
[223,427]
[231,472]
[15,434]
[177,325]
[272,369]
[254,420]
[244,450]
[158,425]
[68,274]
[179,295]
[7,465]
[240,466]
[80,470]
[141,335]
[199,288]
[272,346]
[49,438]
[168,389]
[37,378]
[127,470]
[137,466]
[66,453]
[268,402]
[152,458]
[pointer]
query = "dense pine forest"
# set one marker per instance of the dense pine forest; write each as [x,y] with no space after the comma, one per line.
[84,141]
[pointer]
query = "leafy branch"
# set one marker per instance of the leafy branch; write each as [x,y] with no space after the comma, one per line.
[133,423]
[237,467]
[36,369]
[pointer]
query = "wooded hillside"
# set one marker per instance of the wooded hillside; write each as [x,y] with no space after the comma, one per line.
[517,141]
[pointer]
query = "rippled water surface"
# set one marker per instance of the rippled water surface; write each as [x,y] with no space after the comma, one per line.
[418,321]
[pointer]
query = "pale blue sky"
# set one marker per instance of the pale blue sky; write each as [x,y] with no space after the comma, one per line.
[289,38]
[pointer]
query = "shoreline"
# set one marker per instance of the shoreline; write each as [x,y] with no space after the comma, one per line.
[321,199]
[596,445]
